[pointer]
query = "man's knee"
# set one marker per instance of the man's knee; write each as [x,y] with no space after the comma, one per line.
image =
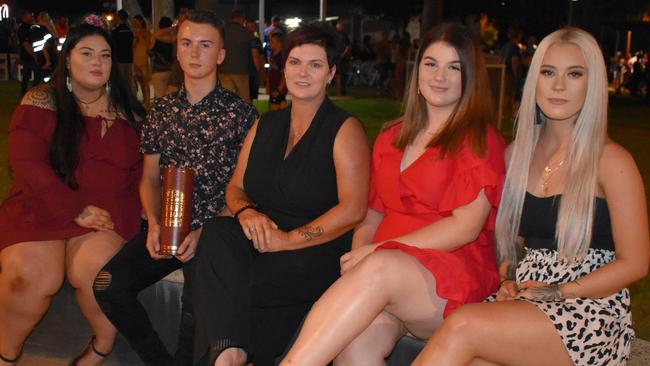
[107,293]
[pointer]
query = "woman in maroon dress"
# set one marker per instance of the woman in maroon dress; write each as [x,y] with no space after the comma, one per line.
[73,149]
[425,246]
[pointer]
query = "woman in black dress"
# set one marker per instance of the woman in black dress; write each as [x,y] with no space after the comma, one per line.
[300,186]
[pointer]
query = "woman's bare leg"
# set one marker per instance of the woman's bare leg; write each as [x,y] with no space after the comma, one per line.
[506,333]
[386,280]
[86,255]
[231,357]
[374,344]
[30,274]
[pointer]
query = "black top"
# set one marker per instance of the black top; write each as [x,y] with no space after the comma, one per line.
[205,136]
[539,215]
[238,43]
[163,56]
[123,37]
[24,35]
[298,189]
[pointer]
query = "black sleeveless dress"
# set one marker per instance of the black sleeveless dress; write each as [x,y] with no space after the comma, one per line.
[594,331]
[255,300]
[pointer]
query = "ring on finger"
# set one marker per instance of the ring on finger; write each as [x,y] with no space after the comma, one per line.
[251,229]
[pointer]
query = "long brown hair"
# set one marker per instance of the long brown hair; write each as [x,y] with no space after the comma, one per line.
[474,111]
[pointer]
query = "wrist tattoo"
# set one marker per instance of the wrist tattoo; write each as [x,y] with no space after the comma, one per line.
[547,293]
[84,214]
[309,232]
[511,268]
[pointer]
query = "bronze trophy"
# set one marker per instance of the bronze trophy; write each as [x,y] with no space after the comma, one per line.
[176,210]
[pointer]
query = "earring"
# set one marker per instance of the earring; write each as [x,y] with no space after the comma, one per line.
[108,87]
[68,83]
[539,116]
[419,90]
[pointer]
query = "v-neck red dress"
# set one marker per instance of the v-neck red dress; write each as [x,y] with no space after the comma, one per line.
[429,190]
[39,206]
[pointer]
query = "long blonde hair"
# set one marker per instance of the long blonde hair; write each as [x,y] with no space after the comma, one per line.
[576,211]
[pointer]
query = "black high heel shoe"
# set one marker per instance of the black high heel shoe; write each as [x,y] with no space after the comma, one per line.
[90,345]
[9,361]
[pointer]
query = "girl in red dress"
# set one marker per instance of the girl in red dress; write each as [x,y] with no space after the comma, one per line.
[426,245]
[73,150]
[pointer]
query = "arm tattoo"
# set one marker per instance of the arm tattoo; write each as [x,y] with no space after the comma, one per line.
[547,293]
[309,232]
[511,269]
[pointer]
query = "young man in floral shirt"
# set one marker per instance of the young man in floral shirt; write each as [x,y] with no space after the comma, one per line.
[202,127]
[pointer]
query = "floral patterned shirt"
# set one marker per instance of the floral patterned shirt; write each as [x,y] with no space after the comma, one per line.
[205,137]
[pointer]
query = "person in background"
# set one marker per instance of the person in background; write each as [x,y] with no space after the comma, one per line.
[124,40]
[426,244]
[31,69]
[573,201]
[162,54]
[256,67]
[277,85]
[240,47]
[343,68]
[141,45]
[202,127]
[61,26]
[276,24]
[511,54]
[383,64]
[73,151]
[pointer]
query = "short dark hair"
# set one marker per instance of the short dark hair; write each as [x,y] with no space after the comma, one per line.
[275,19]
[237,14]
[206,17]
[277,34]
[124,16]
[317,33]
[165,22]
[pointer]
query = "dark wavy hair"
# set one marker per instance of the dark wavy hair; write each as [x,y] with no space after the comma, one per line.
[70,124]
[317,33]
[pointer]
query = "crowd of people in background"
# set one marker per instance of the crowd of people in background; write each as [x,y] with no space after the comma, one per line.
[380,60]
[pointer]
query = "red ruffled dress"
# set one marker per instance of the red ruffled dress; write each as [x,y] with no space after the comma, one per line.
[429,190]
[39,206]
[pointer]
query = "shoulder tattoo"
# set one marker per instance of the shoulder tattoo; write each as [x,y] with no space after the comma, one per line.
[41,96]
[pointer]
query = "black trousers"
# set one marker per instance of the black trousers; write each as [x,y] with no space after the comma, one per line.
[116,288]
[253,300]
[28,71]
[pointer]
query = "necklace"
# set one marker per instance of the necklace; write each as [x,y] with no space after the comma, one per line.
[297,134]
[547,174]
[87,104]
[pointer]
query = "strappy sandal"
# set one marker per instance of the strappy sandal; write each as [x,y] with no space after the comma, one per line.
[10,361]
[91,344]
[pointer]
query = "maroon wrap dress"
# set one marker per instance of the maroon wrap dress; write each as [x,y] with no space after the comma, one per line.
[39,206]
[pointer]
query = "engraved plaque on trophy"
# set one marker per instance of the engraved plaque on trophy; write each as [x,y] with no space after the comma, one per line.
[176,210]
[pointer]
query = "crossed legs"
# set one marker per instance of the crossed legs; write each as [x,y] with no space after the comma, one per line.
[499,333]
[361,316]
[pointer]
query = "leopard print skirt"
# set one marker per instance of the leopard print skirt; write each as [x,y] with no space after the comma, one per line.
[594,331]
